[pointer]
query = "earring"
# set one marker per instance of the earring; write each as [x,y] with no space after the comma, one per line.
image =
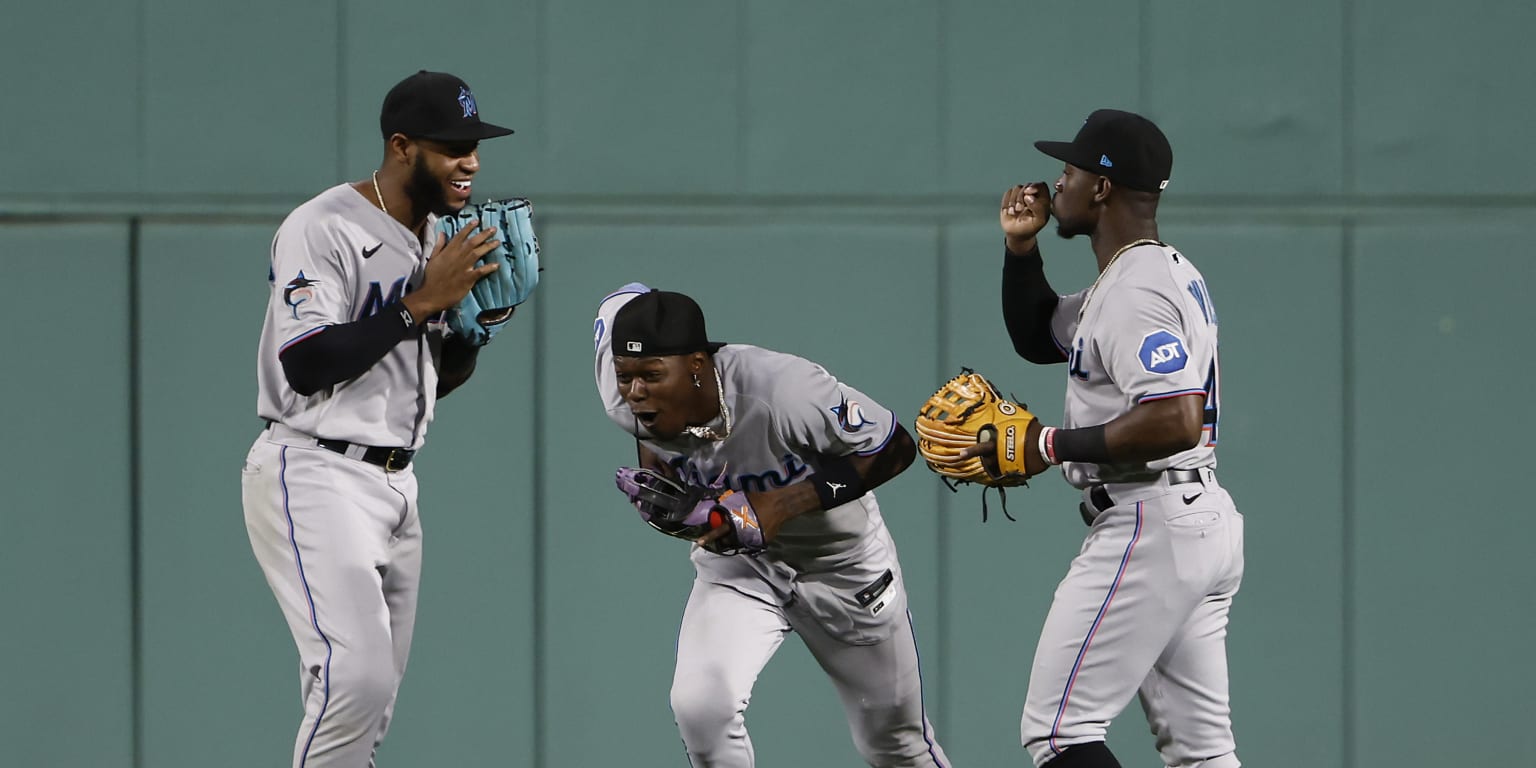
[696,383]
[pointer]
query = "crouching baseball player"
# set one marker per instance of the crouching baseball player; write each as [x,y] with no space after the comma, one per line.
[768,463]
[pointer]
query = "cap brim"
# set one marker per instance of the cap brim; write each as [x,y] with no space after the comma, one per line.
[713,346]
[470,132]
[1065,151]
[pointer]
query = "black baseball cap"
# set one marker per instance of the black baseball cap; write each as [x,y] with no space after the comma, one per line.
[1123,146]
[660,324]
[435,105]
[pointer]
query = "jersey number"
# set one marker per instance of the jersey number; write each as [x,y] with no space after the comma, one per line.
[1212,398]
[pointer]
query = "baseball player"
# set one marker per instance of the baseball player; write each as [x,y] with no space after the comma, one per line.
[351,362]
[1144,606]
[807,451]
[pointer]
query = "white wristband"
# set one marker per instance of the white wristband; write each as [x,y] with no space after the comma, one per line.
[1045,455]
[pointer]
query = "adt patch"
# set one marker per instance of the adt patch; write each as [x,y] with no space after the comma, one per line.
[1162,352]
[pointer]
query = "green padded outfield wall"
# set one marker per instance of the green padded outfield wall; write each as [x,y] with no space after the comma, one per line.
[1353,177]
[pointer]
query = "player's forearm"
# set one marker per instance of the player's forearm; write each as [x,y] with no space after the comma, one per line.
[342,352]
[1028,303]
[1155,430]
[1148,432]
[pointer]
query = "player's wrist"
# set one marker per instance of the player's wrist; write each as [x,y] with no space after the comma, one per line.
[1086,444]
[1047,446]
[1019,245]
[837,481]
[418,308]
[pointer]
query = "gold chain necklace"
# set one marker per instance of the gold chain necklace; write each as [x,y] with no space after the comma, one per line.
[708,433]
[1105,271]
[379,194]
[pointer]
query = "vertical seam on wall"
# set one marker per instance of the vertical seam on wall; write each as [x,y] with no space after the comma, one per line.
[341,89]
[540,687]
[135,507]
[941,96]
[1144,58]
[541,98]
[743,14]
[142,145]
[941,536]
[1347,95]
[1347,694]
[540,392]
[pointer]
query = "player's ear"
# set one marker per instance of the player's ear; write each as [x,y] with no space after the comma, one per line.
[1102,189]
[398,147]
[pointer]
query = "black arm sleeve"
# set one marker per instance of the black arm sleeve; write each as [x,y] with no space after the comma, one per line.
[456,366]
[344,351]
[1028,301]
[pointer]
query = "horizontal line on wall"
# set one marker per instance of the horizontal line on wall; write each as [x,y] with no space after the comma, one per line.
[778,209]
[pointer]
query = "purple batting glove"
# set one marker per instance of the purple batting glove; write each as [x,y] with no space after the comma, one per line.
[733,509]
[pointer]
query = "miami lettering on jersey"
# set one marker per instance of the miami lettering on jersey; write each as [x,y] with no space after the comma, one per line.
[1075,362]
[375,300]
[1162,353]
[693,473]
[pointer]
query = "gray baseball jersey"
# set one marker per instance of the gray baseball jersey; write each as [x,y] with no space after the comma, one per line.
[338,539]
[833,577]
[1147,333]
[337,259]
[786,411]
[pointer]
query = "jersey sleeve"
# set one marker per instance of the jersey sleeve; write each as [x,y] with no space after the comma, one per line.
[311,285]
[1150,348]
[826,416]
[1064,321]
[602,347]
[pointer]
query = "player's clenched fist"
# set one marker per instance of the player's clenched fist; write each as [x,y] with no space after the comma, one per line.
[1025,210]
[451,271]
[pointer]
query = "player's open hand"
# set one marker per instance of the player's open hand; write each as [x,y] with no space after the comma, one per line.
[451,271]
[1025,210]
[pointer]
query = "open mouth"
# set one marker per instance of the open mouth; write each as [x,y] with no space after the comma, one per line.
[462,187]
[647,418]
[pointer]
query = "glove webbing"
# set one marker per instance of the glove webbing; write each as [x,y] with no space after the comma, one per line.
[1002,493]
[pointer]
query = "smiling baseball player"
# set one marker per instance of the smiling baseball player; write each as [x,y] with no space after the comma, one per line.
[790,456]
[1143,608]
[352,359]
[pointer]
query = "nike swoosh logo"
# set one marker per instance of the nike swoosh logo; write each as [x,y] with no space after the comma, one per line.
[1189,498]
[369,252]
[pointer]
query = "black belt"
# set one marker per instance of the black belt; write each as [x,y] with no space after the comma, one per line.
[391,459]
[1101,500]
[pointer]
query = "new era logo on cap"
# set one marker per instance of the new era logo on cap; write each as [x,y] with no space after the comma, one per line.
[1104,161]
